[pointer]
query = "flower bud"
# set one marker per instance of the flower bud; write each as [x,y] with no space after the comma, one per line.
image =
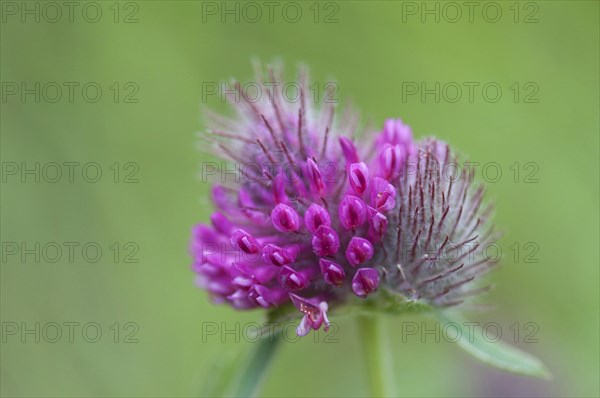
[359,250]
[349,150]
[292,280]
[383,194]
[391,160]
[365,282]
[279,256]
[325,241]
[285,218]
[314,177]
[316,216]
[358,176]
[352,212]
[245,242]
[333,273]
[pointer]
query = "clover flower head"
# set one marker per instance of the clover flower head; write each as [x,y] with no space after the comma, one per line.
[320,217]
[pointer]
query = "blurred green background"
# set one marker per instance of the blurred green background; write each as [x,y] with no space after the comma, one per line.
[372,49]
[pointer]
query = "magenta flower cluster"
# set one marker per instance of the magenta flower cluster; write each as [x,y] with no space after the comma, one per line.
[318,217]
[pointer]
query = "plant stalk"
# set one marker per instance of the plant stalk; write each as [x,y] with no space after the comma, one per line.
[377,352]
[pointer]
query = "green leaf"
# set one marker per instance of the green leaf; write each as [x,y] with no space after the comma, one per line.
[497,354]
[224,367]
[257,366]
[242,375]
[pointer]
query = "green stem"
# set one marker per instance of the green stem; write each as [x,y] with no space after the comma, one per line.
[377,351]
[256,366]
